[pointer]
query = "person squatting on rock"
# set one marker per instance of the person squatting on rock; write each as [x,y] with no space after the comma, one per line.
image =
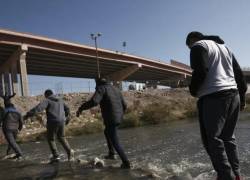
[57,116]
[12,123]
[112,107]
[217,80]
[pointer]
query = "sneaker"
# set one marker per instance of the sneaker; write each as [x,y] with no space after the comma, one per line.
[54,160]
[125,165]
[71,155]
[110,156]
[18,158]
[238,178]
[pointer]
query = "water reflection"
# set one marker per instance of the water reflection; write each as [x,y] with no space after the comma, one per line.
[169,151]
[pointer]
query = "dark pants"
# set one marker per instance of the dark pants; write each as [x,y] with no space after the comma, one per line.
[11,136]
[113,142]
[218,115]
[57,129]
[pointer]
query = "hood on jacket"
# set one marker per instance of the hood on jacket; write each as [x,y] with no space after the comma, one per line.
[199,36]
[101,81]
[53,98]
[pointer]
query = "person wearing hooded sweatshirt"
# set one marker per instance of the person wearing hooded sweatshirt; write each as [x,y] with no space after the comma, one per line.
[12,123]
[57,115]
[217,80]
[112,107]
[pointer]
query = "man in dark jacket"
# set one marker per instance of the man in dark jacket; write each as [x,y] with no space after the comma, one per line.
[218,82]
[57,115]
[112,107]
[11,124]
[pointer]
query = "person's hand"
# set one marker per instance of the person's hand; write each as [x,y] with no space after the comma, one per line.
[25,117]
[78,113]
[242,106]
[67,120]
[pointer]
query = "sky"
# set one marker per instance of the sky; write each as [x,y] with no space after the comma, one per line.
[154,29]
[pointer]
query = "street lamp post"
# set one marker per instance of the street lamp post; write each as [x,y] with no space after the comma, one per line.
[124,44]
[94,37]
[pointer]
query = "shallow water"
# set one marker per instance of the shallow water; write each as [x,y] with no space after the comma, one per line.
[169,151]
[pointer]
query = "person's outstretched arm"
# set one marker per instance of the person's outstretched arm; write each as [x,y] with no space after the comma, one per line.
[199,73]
[39,108]
[20,127]
[94,101]
[124,104]
[66,110]
[1,115]
[67,113]
[240,81]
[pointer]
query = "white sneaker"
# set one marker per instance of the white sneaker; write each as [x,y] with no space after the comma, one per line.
[54,160]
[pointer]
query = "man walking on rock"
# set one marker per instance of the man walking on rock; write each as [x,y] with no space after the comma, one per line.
[12,123]
[218,82]
[112,107]
[57,115]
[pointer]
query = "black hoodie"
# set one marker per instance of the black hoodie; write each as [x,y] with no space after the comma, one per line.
[56,109]
[111,102]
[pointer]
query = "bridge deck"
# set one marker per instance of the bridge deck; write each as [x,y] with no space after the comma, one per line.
[58,58]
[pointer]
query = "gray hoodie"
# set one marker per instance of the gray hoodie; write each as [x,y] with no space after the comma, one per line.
[56,109]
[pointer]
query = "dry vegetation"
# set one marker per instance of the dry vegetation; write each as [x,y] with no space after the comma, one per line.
[144,108]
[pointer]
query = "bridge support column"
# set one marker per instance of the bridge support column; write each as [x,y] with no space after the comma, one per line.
[23,72]
[14,79]
[7,83]
[9,77]
[117,77]
[2,91]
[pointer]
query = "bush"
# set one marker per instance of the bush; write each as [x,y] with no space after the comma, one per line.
[191,108]
[37,136]
[130,119]
[88,128]
[247,103]
[248,99]
[154,113]
[93,127]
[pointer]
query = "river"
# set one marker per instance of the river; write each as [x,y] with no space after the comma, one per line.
[166,151]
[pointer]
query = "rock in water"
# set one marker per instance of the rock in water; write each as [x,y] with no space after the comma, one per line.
[81,161]
[98,163]
[94,163]
[10,156]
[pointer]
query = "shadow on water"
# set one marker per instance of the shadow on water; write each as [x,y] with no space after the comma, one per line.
[169,151]
[28,170]
[64,170]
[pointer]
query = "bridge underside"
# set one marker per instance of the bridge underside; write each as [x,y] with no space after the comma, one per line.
[29,55]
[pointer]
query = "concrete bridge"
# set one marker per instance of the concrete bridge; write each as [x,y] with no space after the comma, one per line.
[22,54]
